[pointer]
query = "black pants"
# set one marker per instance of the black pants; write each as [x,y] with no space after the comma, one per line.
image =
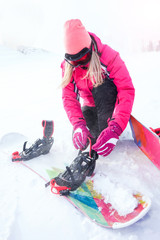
[96,117]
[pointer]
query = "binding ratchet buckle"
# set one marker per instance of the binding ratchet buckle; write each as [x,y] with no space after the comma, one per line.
[16,157]
[56,189]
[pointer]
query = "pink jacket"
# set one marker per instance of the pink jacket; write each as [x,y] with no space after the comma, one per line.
[83,88]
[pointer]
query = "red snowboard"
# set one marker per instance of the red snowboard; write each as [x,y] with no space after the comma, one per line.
[147,140]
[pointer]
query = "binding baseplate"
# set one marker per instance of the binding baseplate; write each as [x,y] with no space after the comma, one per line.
[72,178]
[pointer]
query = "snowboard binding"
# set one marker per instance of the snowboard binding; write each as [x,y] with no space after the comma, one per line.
[72,178]
[39,147]
[156,131]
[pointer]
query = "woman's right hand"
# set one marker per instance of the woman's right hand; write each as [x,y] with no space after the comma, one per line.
[80,136]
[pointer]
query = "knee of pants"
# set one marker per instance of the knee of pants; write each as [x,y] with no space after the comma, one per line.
[90,115]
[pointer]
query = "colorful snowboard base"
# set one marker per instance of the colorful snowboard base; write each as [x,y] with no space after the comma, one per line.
[92,205]
[146,140]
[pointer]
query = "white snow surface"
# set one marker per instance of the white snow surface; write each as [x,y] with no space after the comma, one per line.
[119,196]
[29,93]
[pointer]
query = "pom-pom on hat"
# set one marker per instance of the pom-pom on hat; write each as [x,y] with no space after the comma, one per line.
[75,36]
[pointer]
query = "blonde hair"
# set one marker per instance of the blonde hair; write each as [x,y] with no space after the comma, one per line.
[94,72]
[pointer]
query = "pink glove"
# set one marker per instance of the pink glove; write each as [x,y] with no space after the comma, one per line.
[80,136]
[107,139]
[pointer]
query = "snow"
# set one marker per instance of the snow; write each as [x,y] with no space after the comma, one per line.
[30,92]
[121,198]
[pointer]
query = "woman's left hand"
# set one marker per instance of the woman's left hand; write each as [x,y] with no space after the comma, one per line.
[107,139]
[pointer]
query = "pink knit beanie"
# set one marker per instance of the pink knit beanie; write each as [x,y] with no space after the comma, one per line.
[75,37]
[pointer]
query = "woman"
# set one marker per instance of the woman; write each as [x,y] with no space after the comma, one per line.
[96,73]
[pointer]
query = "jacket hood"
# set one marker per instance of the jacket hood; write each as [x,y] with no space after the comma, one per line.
[98,41]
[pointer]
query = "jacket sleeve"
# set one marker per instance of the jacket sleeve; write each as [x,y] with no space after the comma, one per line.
[122,80]
[71,103]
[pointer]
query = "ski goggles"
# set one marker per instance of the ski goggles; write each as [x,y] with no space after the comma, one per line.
[81,58]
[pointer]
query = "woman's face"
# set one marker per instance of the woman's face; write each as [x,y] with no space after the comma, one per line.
[81,58]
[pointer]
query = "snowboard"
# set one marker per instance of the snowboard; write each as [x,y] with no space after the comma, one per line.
[146,140]
[86,198]
[92,203]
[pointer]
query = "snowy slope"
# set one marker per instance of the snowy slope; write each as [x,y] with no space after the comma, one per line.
[29,93]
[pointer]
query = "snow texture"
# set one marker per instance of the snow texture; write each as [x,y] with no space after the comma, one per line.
[30,93]
[121,198]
